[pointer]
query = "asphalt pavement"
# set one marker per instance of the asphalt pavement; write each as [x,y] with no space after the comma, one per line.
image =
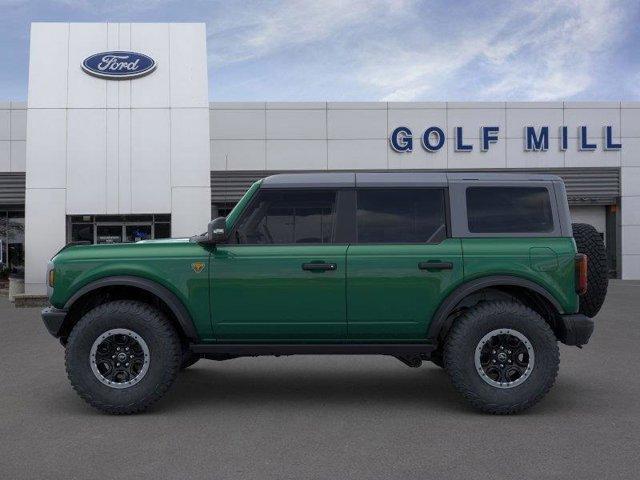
[324,417]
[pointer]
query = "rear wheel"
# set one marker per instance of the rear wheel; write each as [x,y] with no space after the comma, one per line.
[122,356]
[502,357]
[589,242]
[188,358]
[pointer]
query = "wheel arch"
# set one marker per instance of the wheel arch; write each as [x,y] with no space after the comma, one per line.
[511,285]
[145,288]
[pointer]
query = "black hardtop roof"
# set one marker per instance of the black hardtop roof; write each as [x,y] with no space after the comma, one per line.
[397,179]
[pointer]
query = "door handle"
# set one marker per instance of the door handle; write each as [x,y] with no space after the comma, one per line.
[319,267]
[435,265]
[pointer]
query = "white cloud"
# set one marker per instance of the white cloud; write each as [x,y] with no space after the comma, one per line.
[541,51]
[260,29]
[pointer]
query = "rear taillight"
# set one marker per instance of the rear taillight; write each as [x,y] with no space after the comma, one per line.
[581,273]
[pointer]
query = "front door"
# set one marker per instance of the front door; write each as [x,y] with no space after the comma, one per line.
[281,277]
[402,265]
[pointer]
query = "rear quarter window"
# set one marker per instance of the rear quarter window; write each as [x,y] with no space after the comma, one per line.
[509,210]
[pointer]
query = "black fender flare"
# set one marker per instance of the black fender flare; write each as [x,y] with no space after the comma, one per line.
[462,291]
[167,296]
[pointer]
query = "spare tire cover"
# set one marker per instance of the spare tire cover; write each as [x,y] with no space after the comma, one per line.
[589,242]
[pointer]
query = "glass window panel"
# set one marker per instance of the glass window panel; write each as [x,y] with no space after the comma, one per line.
[162,230]
[286,217]
[135,233]
[401,215]
[109,234]
[509,210]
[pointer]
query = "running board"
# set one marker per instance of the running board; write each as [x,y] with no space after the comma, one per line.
[258,349]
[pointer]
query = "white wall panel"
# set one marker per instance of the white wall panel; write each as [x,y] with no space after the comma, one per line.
[595,215]
[418,120]
[517,157]
[18,124]
[86,91]
[124,86]
[47,148]
[630,211]
[188,54]
[472,119]
[296,154]
[630,153]
[152,91]
[631,239]
[296,124]
[630,181]
[518,118]
[111,161]
[357,154]
[48,62]
[630,120]
[113,43]
[574,157]
[44,233]
[238,155]
[5,156]
[18,156]
[592,118]
[5,124]
[190,158]
[238,124]
[418,158]
[186,220]
[630,267]
[296,105]
[495,157]
[86,161]
[124,161]
[357,124]
[150,161]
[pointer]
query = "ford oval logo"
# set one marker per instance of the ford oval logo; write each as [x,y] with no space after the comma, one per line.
[118,65]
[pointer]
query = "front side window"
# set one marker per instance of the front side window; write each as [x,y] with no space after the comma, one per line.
[509,210]
[280,217]
[401,215]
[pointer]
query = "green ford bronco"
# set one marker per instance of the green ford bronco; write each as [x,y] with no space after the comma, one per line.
[480,273]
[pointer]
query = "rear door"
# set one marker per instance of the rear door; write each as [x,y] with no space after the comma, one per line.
[402,264]
[282,276]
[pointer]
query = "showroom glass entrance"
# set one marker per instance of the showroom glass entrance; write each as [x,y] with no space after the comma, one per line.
[117,228]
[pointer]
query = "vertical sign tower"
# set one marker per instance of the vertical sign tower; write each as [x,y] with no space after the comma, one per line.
[99,145]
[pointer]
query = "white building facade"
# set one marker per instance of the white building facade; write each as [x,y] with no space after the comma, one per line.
[106,160]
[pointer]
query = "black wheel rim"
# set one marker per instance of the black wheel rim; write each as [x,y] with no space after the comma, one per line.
[119,358]
[504,358]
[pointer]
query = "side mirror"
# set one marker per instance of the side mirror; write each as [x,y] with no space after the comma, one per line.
[217,230]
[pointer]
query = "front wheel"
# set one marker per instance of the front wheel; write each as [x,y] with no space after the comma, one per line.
[122,356]
[502,357]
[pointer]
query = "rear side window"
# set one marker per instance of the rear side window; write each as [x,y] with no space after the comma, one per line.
[286,217]
[402,215]
[509,210]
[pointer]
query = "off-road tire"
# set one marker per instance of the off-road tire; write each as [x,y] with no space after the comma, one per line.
[164,352]
[466,334]
[188,358]
[436,358]
[589,242]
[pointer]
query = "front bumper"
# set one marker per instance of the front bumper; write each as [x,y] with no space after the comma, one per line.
[53,319]
[575,329]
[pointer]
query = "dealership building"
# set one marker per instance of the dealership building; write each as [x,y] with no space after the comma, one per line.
[118,141]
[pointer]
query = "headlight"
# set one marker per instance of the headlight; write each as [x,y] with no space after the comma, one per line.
[51,279]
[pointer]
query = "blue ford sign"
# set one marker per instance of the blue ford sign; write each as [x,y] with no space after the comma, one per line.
[118,65]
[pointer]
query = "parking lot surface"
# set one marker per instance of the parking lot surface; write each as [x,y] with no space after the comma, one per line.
[324,416]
